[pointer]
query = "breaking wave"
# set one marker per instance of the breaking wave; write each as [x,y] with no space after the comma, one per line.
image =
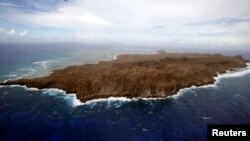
[70,98]
[24,87]
[237,73]
[43,64]
[11,75]
[37,68]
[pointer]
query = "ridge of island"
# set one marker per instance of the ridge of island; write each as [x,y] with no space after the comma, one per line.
[137,75]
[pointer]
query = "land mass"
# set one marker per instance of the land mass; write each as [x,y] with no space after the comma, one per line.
[137,75]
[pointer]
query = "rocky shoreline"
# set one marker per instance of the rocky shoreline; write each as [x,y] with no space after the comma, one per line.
[137,75]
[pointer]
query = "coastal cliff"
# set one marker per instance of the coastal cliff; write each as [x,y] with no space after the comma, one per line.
[136,75]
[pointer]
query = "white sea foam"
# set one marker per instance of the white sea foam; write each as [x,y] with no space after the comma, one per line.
[42,64]
[28,69]
[237,73]
[71,98]
[35,70]
[6,80]
[32,71]
[22,73]
[181,92]
[118,101]
[14,76]
[206,118]
[20,86]
[25,87]
[110,99]
[11,75]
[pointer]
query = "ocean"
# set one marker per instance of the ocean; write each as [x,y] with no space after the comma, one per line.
[28,114]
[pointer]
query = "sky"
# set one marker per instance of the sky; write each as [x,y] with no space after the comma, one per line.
[169,22]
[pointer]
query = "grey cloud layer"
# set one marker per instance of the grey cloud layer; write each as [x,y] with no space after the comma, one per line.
[166,21]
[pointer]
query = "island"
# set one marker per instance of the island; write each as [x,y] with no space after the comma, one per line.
[137,75]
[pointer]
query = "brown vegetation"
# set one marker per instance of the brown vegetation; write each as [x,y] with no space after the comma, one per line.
[155,75]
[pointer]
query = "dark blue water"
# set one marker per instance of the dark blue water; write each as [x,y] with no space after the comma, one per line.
[49,115]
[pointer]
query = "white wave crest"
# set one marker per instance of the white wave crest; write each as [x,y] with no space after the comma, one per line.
[25,87]
[11,75]
[181,92]
[117,101]
[39,68]
[42,64]
[110,101]
[28,69]
[237,73]
[24,73]
[71,98]
[20,86]
[6,80]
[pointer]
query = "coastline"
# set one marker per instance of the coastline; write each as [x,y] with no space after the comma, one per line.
[77,102]
[136,75]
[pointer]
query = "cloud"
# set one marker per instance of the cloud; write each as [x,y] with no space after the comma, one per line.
[222,21]
[233,20]
[12,35]
[63,17]
[24,33]
[1,29]
[11,32]
[8,4]
[155,21]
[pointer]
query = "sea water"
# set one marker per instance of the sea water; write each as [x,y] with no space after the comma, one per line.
[51,114]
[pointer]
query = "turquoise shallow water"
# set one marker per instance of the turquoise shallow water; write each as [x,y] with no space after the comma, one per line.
[49,114]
